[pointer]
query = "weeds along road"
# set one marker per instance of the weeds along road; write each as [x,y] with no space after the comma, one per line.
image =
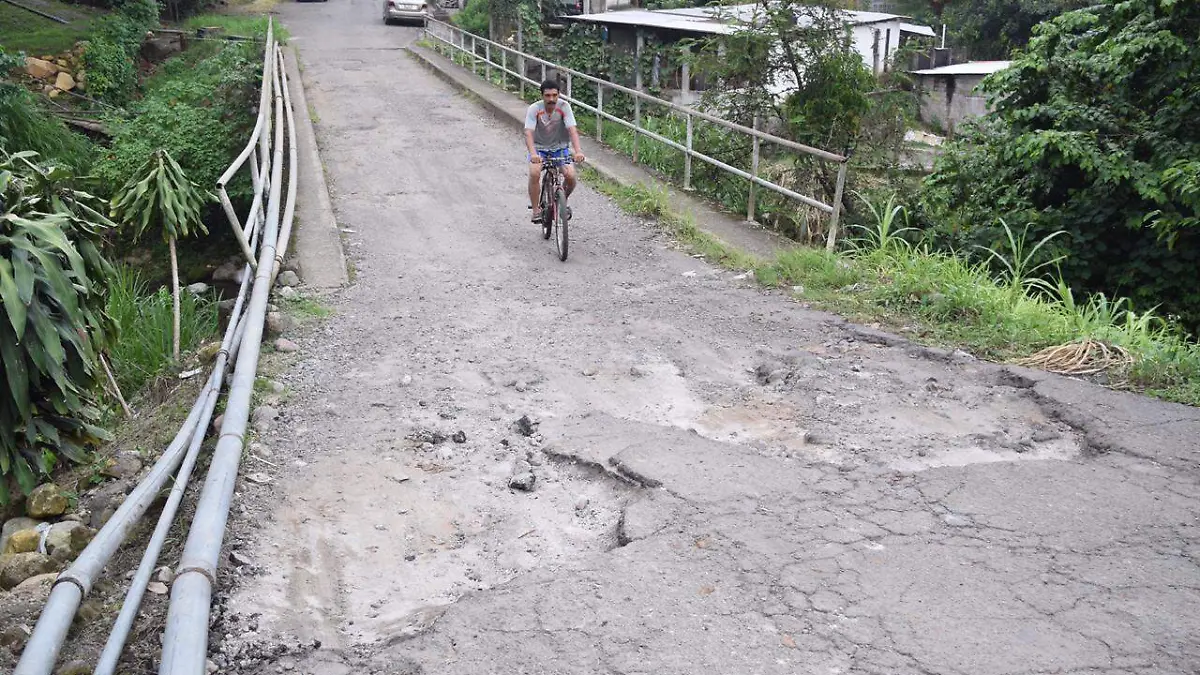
[710,478]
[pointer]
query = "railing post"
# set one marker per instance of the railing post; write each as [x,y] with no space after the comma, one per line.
[474,56]
[637,125]
[687,156]
[543,71]
[504,68]
[487,59]
[831,240]
[521,60]
[568,85]
[599,112]
[750,203]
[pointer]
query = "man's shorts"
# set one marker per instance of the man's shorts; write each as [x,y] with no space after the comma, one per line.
[562,156]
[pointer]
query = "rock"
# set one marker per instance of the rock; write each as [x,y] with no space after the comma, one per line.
[288,278]
[522,476]
[226,306]
[264,416]
[521,386]
[76,667]
[238,559]
[164,575]
[45,501]
[157,588]
[42,70]
[124,465]
[198,288]
[525,426]
[36,585]
[62,63]
[67,540]
[55,92]
[955,520]
[229,272]
[217,422]
[288,293]
[103,502]
[590,371]
[279,323]
[208,351]
[459,436]
[22,541]
[14,525]
[582,504]
[210,668]
[286,346]
[64,82]
[18,567]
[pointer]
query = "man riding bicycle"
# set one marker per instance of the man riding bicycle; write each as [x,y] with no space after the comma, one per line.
[550,133]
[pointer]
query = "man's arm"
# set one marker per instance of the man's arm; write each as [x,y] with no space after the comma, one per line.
[572,131]
[530,124]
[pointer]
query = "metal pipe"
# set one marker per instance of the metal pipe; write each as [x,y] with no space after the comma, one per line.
[107,664]
[186,640]
[599,113]
[236,226]
[289,208]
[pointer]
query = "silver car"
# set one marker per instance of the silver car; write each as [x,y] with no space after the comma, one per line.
[405,10]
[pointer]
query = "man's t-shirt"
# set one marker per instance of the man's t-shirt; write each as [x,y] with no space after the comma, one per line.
[550,129]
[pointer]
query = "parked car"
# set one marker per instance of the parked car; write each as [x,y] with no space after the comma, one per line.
[413,11]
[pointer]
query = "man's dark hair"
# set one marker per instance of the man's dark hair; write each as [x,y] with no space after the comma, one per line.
[549,84]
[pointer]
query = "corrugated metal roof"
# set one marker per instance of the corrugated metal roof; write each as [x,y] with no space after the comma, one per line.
[918,29]
[721,20]
[969,68]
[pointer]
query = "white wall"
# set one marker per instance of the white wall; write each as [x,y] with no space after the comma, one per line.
[876,43]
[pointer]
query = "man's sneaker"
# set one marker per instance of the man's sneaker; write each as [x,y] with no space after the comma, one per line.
[537,217]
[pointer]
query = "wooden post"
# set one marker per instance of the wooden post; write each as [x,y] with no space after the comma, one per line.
[637,85]
[754,156]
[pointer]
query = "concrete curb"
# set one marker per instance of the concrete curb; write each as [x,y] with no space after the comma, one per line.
[317,242]
[508,108]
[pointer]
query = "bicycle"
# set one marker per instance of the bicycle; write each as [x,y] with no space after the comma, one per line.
[553,205]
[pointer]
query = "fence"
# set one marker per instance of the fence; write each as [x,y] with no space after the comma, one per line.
[491,55]
[186,639]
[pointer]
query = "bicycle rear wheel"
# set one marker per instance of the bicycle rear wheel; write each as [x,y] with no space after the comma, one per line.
[560,223]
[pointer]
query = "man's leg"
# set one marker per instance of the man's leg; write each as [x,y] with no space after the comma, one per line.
[535,179]
[569,174]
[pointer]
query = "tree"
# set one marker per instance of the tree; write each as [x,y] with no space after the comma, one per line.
[1095,131]
[163,195]
[52,321]
[987,29]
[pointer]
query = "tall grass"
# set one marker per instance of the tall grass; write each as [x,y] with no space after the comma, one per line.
[143,317]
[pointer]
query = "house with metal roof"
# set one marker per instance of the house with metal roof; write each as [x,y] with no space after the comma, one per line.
[950,94]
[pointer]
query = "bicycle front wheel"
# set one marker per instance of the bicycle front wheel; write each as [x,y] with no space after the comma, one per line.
[560,223]
[547,210]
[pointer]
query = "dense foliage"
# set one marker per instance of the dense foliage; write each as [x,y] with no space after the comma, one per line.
[1096,133]
[197,108]
[111,56]
[986,29]
[54,325]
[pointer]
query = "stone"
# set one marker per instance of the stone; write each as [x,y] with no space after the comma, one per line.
[14,525]
[55,92]
[229,272]
[67,540]
[61,63]
[126,464]
[288,278]
[217,422]
[208,351]
[76,667]
[522,476]
[459,436]
[64,81]
[521,386]
[157,588]
[286,346]
[36,585]
[955,520]
[45,501]
[264,416]
[42,70]
[198,288]
[18,567]
[288,293]
[22,541]
[279,323]
[164,575]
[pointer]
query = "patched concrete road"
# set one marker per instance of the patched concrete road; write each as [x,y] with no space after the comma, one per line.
[724,482]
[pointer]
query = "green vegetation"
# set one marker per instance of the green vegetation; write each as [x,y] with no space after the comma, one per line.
[944,299]
[54,327]
[237,24]
[1094,134]
[25,127]
[111,56]
[24,31]
[144,317]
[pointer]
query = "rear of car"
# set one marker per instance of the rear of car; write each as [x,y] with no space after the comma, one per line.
[413,11]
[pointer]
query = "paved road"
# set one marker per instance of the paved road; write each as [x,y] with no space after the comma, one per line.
[725,482]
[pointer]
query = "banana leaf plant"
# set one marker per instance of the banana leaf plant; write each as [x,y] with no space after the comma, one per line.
[52,321]
[160,194]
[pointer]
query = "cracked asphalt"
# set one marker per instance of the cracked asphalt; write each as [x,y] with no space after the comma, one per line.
[726,482]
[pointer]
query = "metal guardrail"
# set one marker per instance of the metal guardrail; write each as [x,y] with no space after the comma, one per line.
[469,44]
[184,646]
